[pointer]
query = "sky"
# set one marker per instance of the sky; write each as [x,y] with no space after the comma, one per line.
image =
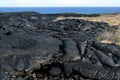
[59,3]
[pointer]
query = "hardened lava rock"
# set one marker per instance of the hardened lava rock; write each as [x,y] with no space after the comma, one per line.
[35,46]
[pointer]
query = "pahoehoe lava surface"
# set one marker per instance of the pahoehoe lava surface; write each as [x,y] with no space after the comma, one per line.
[35,46]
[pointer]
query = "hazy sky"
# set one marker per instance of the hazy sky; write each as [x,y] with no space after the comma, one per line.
[58,3]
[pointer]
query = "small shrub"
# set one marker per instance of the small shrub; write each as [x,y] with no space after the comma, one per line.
[105,36]
[116,36]
[113,37]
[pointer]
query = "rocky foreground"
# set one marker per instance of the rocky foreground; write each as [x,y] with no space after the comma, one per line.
[36,46]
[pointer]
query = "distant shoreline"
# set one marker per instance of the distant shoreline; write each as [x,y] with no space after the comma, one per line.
[65,13]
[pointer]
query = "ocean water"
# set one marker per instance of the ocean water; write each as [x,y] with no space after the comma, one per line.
[53,10]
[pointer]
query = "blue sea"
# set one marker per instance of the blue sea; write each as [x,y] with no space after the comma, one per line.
[54,10]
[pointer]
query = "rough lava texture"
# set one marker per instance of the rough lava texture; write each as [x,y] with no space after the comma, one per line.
[35,47]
